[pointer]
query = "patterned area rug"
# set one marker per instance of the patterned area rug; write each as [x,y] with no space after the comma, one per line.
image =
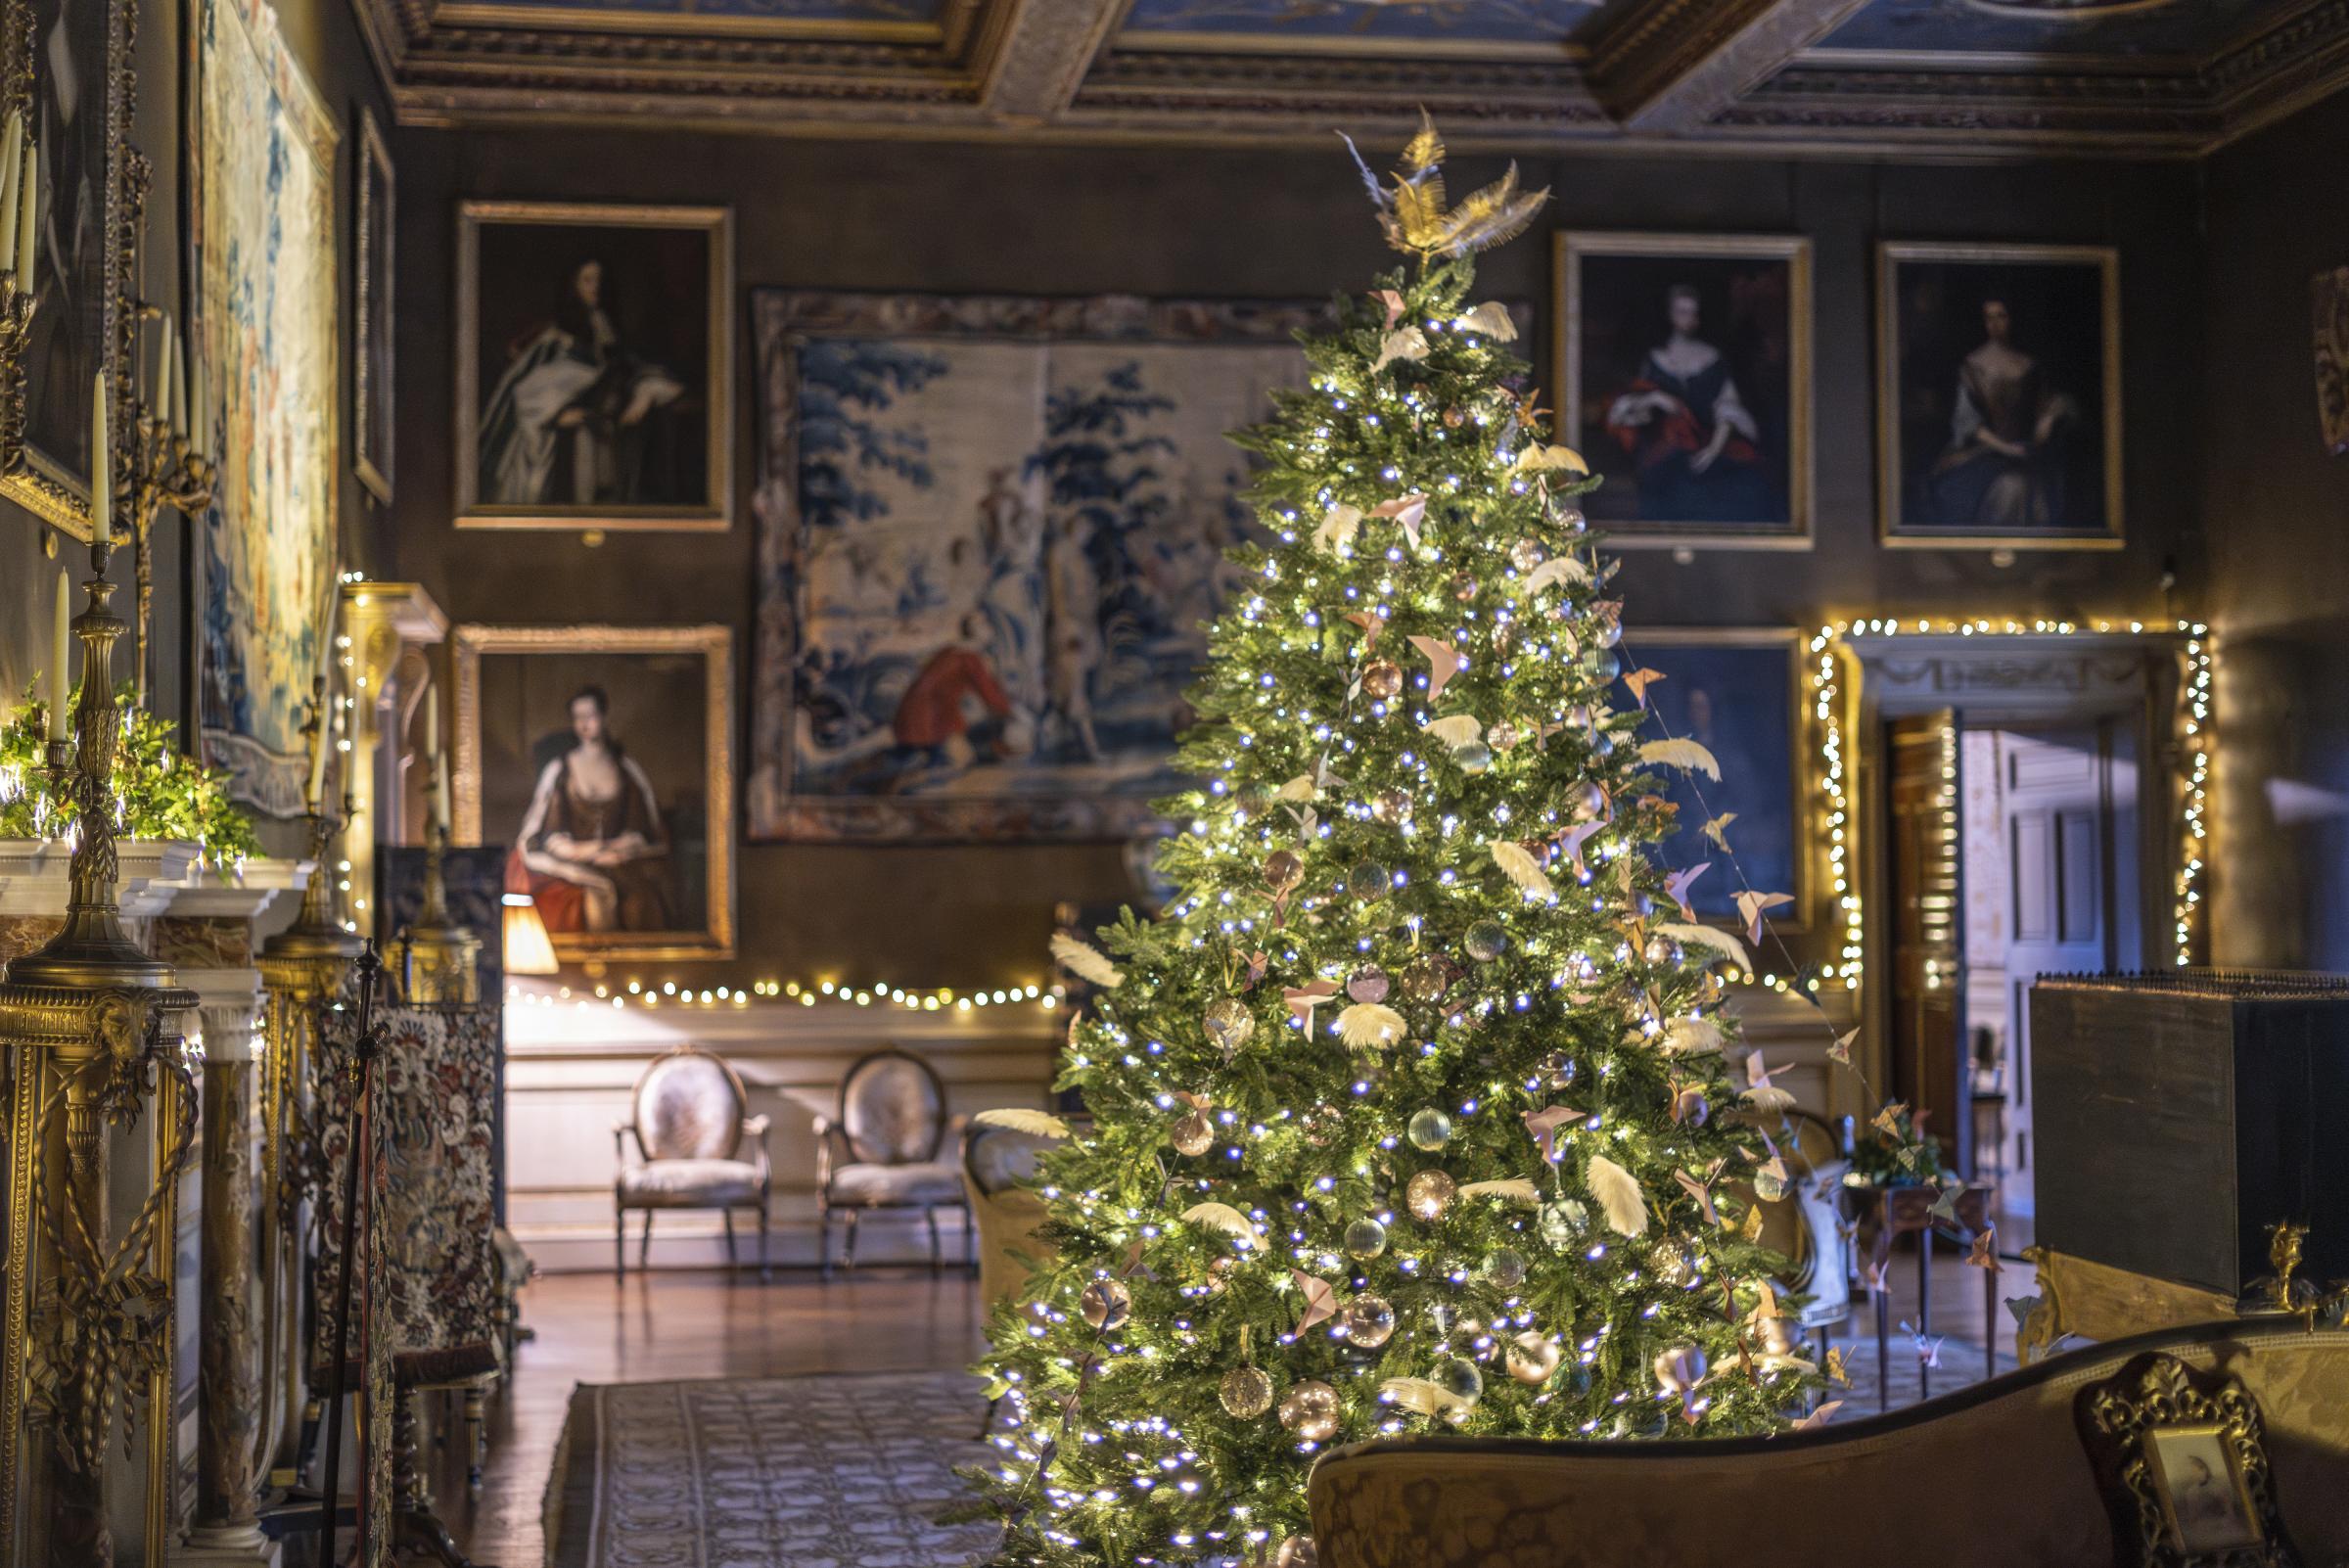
[844,1471]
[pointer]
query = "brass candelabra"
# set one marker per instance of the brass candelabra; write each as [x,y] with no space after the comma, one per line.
[90,1019]
[440,959]
[164,468]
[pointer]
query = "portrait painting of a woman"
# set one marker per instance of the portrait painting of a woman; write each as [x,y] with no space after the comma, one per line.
[2000,392]
[1684,369]
[597,759]
[592,851]
[592,367]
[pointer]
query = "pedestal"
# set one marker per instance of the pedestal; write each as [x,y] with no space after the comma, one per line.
[385,622]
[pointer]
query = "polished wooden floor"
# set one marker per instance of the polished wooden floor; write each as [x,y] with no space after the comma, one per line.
[591,1328]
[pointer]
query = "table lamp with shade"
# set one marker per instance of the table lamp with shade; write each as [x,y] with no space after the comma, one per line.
[529,950]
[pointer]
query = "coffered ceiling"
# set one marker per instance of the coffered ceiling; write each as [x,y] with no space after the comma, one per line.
[1945,78]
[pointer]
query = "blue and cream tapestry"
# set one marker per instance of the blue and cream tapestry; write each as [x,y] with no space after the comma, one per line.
[992,533]
[262,202]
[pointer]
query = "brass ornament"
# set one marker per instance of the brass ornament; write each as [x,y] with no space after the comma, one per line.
[1245,1393]
[1311,1410]
[1532,1358]
[1428,1195]
[1193,1133]
[1382,680]
[1284,871]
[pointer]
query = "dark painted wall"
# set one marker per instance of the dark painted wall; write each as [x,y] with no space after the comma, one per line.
[325,38]
[1235,223]
[2278,506]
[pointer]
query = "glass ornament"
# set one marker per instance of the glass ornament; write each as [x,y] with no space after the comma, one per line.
[1283,870]
[1246,1393]
[1193,1133]
[1571,519]
[1473,757]
[1368,1320]
[1365,1238]
[1382,680]
[1505,1267]
[1369,881]
[1610,633]
[1106,1303]
[1311,1410]
[1428,1194]
[1560,1070]
[1585,802]
[1458,1376]
[1367,984]
[1532,1358]
[1673,1265]
[1602,744]
[1391,806]
[1641,906]
[1228,1023]
[1504,736]
[1768,1185]
[1661,949]
[1562,1223]
[1579,716]
[1428,1128]
[1464,587]
[1604,665]
[1525,555]
[1486,940]
[1426,979]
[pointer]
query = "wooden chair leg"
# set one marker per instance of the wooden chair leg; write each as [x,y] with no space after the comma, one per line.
[727,1215]
[937,1262]
[970,1240]
[824,1243]
[644,1251]
[619,1242]
[762,1268]
[851,1249]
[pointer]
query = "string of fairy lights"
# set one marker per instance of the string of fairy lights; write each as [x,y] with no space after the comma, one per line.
[1834,707]
[807,994]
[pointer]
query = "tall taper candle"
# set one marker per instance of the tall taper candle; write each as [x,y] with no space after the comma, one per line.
[60,651]
[432,723]
[164,354]
[28,217]
[179,378]
[318,748]
[12,178]
[102,484]
[440,795]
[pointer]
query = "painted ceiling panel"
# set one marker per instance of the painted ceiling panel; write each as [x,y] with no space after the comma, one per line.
[1504,24]
[2107,27]
[717,16]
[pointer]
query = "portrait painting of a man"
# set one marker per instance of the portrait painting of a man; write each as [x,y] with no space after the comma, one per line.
[603,770]
[592,367]
[1686,369]
[2002,393]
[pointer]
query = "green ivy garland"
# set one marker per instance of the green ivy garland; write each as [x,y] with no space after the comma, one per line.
[162,793]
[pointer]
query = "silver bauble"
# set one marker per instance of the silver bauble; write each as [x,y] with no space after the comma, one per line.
[1311,1410]
[1486,940]
[1365,1238]
[1563,1221]
[1532,1358]
[1368,1320]
[1458,1376]
[1428,1128]
[1505,1267]
[1106,1303]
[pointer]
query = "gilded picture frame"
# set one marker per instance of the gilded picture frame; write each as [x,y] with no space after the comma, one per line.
[1757,295]
[494,276]
[2070,359]
[2328,311]
[2180,1458]
[374,209]
[64,349]
[1783,855]
[676,681]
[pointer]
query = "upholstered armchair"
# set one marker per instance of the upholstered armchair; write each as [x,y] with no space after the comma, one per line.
[998,1168]
[880,1149]
[689,1121]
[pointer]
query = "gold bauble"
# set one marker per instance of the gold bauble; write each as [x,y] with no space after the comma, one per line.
[1428,1194]
[1283,870]
[1106,1303]
[1368,1320]
[1391,806]
[1193,1133]
[1426,979]
[1246,1393]
[1382,679]
[1228,1023]
[1311,1410]
[1525,555]
[1532,1358]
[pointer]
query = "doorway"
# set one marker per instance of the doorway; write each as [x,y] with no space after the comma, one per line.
[2013,855]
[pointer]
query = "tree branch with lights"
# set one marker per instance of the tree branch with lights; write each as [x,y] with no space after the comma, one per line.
[1416,1111]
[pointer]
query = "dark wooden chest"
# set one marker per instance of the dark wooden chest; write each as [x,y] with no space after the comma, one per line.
[2180,1115]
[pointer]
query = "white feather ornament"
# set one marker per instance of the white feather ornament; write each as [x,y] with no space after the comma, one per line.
[1370,1026]
[1085,962]
[1404,343]
[1036,1124]
[1539,456]
[1493,319]
[1723,942]
[1300,788]
[1768,1097]
[1421,1396]
[1220,1217]
[1618,1196]
[1686,755]
[1556,569]
[1337,529]
[1522,868]
[1456,730]
[1692,1037]
[1515,1189]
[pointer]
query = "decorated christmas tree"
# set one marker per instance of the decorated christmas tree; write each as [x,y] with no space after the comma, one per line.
[1416,1109]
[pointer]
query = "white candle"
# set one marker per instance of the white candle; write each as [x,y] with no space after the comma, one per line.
[440,795]
[60,651]
[179,376]
[102,487]
[28,216]
[432,722]
[12,177]
[200,411]
[318,748]
[163,373]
